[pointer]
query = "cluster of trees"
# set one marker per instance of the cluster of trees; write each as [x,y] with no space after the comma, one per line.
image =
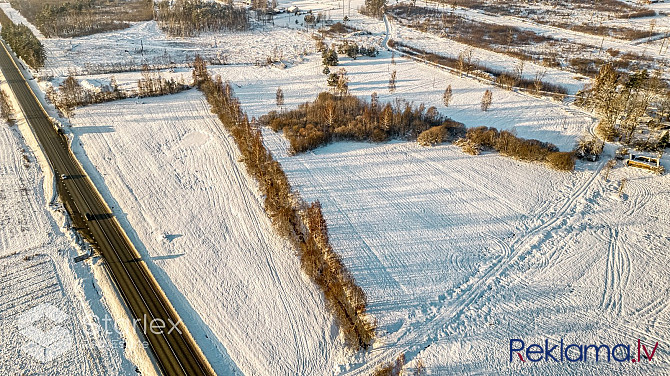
[339,81]
[22,40]
[345,117]
[152,84]
[507,143]
[191,17]
[71,94]
[622,100]
[374,8]
[301,223]
[5,106]
[83,17]
[352,49]
[72,19]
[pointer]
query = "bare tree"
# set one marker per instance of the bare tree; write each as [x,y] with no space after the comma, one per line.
[465,59]
[280,97]
[342,86]
[392,81]
[446,97]
[518,70]
[487,100]
[537,81]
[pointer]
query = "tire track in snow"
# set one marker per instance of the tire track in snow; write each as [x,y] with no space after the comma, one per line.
[617,275]
[473,290]
[302,349]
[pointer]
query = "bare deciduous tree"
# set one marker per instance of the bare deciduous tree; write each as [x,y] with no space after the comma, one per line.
[487,100]
[392,81]
[280,97]
[446,97]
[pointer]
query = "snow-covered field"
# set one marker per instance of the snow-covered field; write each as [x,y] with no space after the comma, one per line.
[459,254]
[530,117]
[49,307]
[173,179]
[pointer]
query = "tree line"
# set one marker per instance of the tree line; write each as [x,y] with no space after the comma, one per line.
[75,18]
[301,223]
[187,18]
[22,41]
[71,93]
[153,84]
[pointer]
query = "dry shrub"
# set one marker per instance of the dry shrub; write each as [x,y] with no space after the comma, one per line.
[468,146]
[391,368]
[589,147]
[432,136]
[507,143]
[563,161]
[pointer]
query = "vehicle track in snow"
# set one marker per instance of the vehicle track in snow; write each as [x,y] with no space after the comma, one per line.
[472,290]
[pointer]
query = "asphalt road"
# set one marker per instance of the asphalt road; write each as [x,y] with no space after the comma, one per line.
[174,350]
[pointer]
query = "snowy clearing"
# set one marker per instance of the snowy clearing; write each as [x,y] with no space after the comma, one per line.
[458,254]
[236,284]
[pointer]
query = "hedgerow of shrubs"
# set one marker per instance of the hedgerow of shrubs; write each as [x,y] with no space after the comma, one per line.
[300,223]
[507,143]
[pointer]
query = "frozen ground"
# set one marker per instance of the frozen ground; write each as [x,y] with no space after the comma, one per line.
[38,276]
[174,181]
[458,254]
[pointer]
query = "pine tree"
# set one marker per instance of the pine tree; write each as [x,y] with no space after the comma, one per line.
[446,97]
[329,57]
[342,86]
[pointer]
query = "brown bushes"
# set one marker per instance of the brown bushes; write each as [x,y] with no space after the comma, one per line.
[6,109]
[509,144]
[564,161]
[301,223]
[332,118]
[432,136]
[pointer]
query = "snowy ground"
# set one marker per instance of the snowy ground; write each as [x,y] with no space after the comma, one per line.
[459,254]
[173,179]
[38,276]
